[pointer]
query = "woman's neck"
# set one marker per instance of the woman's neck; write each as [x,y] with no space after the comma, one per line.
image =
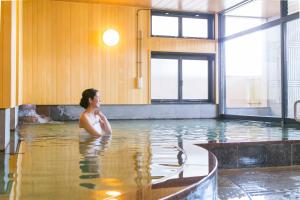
[90,110]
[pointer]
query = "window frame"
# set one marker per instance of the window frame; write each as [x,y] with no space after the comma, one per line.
[180,15]
[184,56]
[285,17]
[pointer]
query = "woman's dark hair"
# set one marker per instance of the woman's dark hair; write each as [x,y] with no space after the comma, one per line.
[86,94]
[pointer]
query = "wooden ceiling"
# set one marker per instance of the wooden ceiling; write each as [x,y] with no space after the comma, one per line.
[136,3]
[211,6]
[256,8]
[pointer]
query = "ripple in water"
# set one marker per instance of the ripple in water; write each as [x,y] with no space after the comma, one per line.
[140,152]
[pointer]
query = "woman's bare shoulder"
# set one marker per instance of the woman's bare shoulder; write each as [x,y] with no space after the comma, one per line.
[83,115]
[82,119]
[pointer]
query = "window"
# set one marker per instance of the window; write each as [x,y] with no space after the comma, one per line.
[250,15]
[235,24]
[253,73]
[195,79]
[189,30]
[164,73]
[293,63]
[259,59]
[181,78]
[183,25]
[293,6]
[165,26]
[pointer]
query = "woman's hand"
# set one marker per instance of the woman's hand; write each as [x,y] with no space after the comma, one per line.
[97,112]
[105,125]
[102,116]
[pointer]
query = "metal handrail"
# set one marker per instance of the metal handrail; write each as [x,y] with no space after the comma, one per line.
[295,111]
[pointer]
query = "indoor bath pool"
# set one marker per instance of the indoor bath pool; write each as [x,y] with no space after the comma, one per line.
[55,162]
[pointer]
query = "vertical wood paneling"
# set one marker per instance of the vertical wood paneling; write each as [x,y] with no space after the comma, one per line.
[120,68]
[52,90]
[5,51]
[13,57]
[64,52]
[1,57]
[144,27]
[27,52]
[183,45]
[35,71]
[9,33]
[97,57]
[79,50]
[20,53]
[17,51]
[44,61]
[62,41]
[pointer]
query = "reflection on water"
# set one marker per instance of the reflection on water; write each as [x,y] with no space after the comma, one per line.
[56,157]
[55,161]
[90,148]
[5,182]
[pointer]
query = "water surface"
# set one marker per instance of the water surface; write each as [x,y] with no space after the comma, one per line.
[56,162]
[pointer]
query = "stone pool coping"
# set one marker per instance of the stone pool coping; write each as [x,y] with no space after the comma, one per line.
[197,184]
[232,155]
[206,186]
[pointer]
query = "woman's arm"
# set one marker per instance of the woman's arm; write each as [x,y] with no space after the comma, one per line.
[104,123]
[85,123]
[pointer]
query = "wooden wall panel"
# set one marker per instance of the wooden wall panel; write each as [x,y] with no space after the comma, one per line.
[1,57]
[64,52]
[135,3]
[5,58]
[27,52]
[182,45]
[9,53]
[79,41]
[112,64]
[13,56]
[21,53]
[18,52]
[144,29]
[43,67]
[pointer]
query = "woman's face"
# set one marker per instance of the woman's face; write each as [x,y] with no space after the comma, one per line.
[95,102]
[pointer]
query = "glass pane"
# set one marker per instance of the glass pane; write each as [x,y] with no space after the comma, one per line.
[165,26]
[293,65]
[250,15]
[192,27]
[235,24]
[253,74]
[164,78]
[195,79]
[293,6]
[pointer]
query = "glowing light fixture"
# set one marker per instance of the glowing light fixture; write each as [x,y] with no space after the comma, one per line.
[111,37]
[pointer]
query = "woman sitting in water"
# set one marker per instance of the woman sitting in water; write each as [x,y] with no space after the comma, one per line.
[92,119]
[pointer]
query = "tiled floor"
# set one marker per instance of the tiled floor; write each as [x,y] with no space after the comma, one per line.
[277,183]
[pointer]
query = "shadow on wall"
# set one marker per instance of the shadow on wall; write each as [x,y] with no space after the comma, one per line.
[28,114]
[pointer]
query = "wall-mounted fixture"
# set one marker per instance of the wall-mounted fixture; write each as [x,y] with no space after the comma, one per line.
[139,38]
[111,37]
